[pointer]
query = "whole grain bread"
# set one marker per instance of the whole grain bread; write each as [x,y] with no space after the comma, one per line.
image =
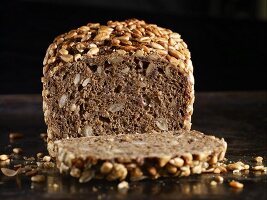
[125,77]
[139,156]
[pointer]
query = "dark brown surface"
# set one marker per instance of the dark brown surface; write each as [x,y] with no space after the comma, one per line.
[238,117]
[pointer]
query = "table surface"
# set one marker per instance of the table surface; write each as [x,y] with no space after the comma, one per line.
[239,117]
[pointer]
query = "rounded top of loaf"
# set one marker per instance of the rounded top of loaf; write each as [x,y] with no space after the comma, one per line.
[126,37]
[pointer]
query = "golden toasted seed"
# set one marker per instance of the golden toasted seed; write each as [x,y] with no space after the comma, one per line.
[67,58]
[258,159]
[38,178]
[63,52]
[70,35]
[196,169]
[144,39]
[156,46]
[93,51]
[175,35]
[177,162]
[123,38]
[39,155]
[43,135]
[176,54]
[213,183]
[46,158]
[217,171]
[234,166]
[171,169]
[119,171]
[15,135]
[17,150]
[188,158]
[75,172]
[86,176]
[219,179]
[9,172]
[258,168]
[4,157]
[185,171]
[84,28]
[106,167]
[246,167]
[152,171]
[164,160]
[102,36]
[236,184]
[123,185]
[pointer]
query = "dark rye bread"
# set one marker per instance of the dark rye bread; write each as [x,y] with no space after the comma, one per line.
[138,156]
[121,78]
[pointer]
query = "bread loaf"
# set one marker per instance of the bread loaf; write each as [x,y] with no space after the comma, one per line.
[138,156]
[121,78]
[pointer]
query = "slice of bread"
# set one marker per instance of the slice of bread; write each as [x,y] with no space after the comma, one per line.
[138,156]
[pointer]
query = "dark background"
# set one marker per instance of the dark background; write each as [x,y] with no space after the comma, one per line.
[227,38]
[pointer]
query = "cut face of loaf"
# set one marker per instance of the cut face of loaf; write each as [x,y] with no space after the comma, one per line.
[138,156]
[124,78]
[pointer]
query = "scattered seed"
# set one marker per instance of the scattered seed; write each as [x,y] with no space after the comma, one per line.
[4,157]
[258,159]
[152,171]
[123,185]
[17,166]
[38,178]
[246,167]
[32,172]
[55,186]
[236,184]
[17,150]
[219,179]
[86,176]
[43,135]
[4,163]
[28,158]
[46,158]
[94,189]
[213,183]
[39,155]
[258,168]
[9,172]
[15,135]
[217,171]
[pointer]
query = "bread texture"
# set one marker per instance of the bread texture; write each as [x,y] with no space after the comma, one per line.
[125,77]
[139,156]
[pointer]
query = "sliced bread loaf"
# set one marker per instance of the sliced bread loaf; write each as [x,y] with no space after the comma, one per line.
[138,156]
[121,78]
